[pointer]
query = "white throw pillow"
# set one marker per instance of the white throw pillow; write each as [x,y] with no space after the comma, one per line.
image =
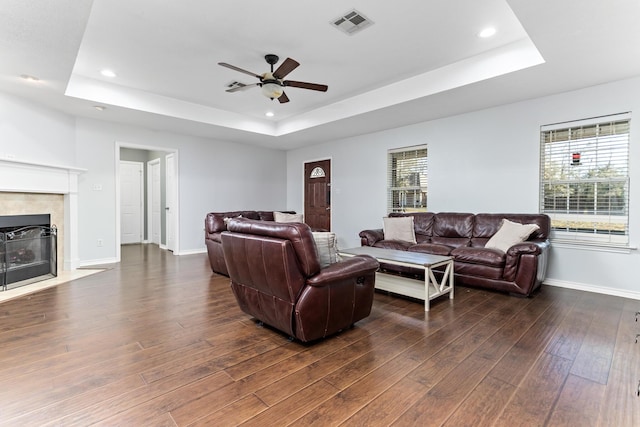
[399,228]
[287,217]
[327,246]
[227,218]
[509,234]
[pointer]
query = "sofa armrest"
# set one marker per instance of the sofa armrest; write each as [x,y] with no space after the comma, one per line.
[518,249]
[359,265]
[533,248]
[370,237]
[214,237]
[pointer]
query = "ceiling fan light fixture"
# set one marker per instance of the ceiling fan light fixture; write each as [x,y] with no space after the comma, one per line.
[272,89]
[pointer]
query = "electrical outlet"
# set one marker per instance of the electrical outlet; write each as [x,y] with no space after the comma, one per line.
[100,243]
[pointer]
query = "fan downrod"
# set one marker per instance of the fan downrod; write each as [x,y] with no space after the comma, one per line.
[271,60]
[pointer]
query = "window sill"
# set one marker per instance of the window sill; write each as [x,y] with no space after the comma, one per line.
[593,246]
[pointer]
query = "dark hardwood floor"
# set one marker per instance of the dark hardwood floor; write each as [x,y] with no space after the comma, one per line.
[158,340]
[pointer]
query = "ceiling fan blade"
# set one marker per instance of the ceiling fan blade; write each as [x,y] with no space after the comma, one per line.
[305,85]
[233,67]
[241,87]
[285,68]
[283,98]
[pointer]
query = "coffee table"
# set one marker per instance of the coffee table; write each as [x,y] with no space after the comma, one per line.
[429,289]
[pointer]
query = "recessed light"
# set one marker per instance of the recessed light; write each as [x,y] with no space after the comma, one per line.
[269,114]
[487,32]
[108,73]
[100,107]
[30,78]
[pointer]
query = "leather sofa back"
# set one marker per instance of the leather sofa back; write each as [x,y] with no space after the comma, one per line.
[215,221]
[466,229]
[422,224]
[299,235]
[486,225]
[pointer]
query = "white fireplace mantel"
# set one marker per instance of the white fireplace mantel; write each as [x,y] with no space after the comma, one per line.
[29,177]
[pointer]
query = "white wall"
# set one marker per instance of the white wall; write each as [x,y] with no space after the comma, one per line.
[485,161]
[213,175]
[29,132]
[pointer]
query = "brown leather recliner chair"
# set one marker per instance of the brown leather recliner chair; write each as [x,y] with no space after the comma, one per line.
[276,278]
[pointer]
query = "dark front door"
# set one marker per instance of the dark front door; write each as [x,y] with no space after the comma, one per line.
[317,194]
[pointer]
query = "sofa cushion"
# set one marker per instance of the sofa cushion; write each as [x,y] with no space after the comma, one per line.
[287,217]
[484,271]
[399,228]
[268,215]
[326,243]
[488,224]
[422,224]
[215,221]
[451,241]
[227,218]
[431,248]
[393,244]
[250,214]
[509,234]
[482,256]
[453,225]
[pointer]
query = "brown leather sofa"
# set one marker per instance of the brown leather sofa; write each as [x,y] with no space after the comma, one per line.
[214,225]
[519,271]
[276,278]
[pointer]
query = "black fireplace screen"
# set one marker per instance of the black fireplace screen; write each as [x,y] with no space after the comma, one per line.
[27,253]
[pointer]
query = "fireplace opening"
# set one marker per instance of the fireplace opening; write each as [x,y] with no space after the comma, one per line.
[27,250]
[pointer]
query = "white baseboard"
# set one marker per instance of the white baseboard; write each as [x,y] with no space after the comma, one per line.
[193,251]
[92,262]
[591,288]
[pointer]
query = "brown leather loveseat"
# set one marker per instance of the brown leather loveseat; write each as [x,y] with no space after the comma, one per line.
[519,270]
[215,224]
[276,277]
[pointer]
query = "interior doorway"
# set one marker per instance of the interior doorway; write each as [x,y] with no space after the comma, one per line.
[317,194]
[154,194]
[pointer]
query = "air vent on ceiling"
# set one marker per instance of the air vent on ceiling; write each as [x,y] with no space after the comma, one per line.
[234,84]
[351,22]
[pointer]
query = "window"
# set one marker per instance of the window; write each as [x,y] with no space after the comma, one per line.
[584,179]
[407,179]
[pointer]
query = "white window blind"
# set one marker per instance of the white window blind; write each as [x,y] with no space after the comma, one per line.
[584,180]
[407,179]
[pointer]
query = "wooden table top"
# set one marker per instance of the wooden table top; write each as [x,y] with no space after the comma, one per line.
[394,255]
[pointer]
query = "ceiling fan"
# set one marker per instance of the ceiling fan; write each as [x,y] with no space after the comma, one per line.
[273,83]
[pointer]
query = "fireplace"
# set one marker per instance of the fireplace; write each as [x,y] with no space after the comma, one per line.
[27,250]
[25,179]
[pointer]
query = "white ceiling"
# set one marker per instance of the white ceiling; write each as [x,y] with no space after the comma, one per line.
[420,60]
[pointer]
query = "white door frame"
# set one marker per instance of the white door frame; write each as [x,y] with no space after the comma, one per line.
[118,145]
[150,205]
[171,188]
